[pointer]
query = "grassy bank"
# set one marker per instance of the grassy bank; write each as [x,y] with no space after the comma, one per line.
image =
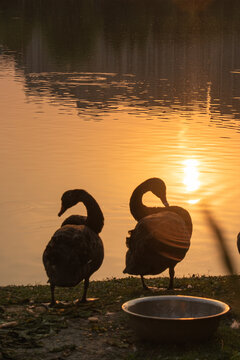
[99,329]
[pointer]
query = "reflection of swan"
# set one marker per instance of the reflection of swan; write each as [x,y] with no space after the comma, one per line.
[161,237]
[75,251]
[238,243]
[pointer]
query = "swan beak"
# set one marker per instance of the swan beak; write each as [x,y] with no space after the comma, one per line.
[62,211]
[165,203]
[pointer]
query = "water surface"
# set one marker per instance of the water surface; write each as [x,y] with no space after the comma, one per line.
[101,98]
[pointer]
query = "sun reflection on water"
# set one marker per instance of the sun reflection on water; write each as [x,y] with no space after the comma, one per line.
[191,177]
[193,201]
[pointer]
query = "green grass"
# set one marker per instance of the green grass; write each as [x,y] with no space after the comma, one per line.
[33,327]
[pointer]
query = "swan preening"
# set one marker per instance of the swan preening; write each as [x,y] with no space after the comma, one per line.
[159,241]
[161,237]
[75,250]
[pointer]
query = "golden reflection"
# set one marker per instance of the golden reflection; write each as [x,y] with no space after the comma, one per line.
[191,177]
[193,201]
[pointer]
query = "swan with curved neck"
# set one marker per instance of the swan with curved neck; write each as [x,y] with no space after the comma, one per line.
[137,208]
[94,218]
[161,237]
[75,251]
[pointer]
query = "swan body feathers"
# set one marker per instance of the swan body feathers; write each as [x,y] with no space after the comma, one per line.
[161,238]
[73,253]
[75,220]
[75,250]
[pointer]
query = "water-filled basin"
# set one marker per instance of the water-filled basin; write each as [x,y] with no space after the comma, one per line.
[174,318]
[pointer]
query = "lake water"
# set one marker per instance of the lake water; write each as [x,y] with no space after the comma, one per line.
[102,95]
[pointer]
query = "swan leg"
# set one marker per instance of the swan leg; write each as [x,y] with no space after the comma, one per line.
[143,283]
[171,275]
[53,301]
[86,284]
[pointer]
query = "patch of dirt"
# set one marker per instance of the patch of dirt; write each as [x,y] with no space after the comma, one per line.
[95,337]
[87,339]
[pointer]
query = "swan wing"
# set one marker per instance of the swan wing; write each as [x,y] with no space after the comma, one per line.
[75,220]
[73,253]
[165,234]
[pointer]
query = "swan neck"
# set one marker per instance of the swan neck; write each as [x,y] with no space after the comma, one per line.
[95,219]
[137,208]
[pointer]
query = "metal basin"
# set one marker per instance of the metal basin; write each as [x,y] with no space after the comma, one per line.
[174,318]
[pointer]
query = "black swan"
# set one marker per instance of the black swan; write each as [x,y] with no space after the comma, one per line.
[238,242]
[161,237]
[75,251]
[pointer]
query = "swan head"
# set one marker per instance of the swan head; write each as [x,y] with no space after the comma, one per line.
[158,188]
[69,199]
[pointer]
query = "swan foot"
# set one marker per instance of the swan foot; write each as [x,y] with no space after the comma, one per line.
[145,287]
[84,301]
[153,288]
[80,301]
[148,288]
[57,304]
[52,304]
